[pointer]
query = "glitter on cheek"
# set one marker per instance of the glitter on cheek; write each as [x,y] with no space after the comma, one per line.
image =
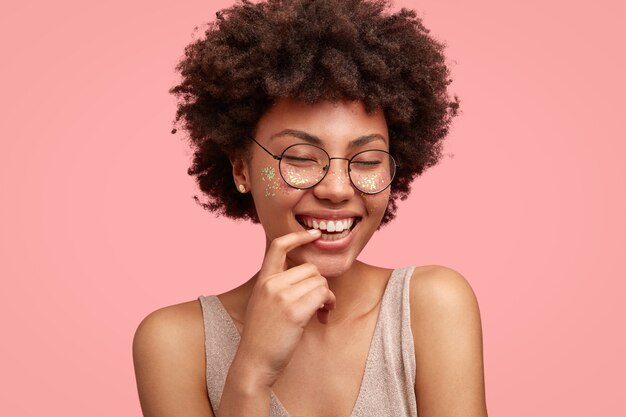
[272,182]
[299,178]
[371,183]
[285,189]
[375,203]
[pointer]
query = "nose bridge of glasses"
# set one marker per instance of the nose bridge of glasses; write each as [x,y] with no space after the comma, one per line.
[327,167]
[340,176]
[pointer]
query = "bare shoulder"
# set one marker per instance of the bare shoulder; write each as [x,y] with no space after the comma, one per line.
[447,335]
[184,317]
[177,329]
[168,355]
[435,286]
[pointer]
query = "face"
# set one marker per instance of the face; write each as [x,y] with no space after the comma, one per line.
[342,129]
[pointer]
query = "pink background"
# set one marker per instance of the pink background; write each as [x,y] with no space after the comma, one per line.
[98,226]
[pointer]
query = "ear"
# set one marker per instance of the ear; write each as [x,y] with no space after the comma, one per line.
[241,173]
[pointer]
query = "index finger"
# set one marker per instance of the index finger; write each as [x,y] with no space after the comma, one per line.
[274,261]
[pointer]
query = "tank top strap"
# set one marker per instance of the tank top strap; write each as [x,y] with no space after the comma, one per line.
[389,383]
[221,340]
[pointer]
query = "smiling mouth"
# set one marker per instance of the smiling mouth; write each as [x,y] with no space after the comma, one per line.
[334,229]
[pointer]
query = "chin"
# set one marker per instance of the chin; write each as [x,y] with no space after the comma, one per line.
[334,269]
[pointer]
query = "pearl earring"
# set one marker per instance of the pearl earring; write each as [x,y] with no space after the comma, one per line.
[242,188]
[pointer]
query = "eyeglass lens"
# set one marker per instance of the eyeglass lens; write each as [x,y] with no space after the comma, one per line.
[303,166]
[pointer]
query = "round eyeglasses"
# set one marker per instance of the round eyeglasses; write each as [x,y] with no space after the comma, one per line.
[304,165]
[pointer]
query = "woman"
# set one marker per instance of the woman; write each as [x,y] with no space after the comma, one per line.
[312,118]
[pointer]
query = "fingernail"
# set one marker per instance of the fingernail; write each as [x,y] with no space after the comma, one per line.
[314,231]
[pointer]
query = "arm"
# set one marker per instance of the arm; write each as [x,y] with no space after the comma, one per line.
[447,336]
[243,394]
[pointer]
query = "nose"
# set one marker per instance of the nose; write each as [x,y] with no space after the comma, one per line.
[336,185]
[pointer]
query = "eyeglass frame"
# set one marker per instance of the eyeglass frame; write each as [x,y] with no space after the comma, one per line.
[280,157]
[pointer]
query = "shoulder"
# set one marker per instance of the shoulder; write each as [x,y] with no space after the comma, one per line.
[441,302]
[439,287]
[168,355]
[171,327]
[447,335]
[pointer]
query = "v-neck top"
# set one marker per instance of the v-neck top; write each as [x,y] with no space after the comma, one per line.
[388,382]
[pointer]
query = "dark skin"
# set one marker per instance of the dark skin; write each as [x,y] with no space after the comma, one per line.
[170,365]
[287,343]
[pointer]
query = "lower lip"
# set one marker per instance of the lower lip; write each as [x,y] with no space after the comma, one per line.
[334,245]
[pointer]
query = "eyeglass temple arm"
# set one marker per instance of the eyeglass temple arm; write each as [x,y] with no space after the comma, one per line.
[277,157]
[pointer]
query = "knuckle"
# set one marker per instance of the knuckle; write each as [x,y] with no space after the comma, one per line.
[311,269]
[293,315]
[323,290]
[267,288]
[281,298]
[321,281]
[279,243]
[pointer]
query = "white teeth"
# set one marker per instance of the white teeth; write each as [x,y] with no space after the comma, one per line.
[336,236]
[332,226]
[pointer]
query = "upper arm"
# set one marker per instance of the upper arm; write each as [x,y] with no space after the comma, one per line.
[445,320]
[168,355]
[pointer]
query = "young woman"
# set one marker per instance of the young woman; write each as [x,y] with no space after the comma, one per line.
[312,117]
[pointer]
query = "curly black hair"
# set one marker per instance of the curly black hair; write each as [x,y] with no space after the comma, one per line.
[310,50]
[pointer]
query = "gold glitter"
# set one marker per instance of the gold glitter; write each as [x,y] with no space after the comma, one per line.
[297,179]
[268,175]
[371,183]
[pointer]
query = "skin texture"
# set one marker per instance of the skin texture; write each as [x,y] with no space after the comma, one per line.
[297,347]
[337,125]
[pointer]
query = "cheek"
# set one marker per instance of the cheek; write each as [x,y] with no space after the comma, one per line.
[376,204]
[273,184]
[300,179]
[371,182]
[270,180]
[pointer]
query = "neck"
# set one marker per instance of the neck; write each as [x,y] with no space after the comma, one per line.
[358,291]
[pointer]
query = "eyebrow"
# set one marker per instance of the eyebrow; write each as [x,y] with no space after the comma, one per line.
[361,140]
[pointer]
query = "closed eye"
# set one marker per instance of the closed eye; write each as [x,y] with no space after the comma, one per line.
[367,162]
[297,158]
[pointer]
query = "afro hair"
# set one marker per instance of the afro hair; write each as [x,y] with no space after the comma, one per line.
[310,50]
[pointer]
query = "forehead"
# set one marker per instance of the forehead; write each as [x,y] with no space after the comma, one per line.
[334,123]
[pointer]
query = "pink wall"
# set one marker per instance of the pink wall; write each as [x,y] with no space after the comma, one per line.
[98,226]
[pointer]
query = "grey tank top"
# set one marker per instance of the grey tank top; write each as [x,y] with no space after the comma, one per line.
[388,382]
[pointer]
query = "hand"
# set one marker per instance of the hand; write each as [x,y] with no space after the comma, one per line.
[281,304]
